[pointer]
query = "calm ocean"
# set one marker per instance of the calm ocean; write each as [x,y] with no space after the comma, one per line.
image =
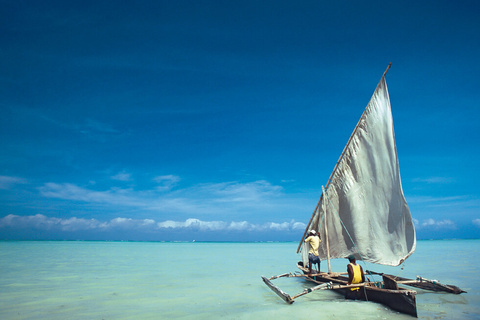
[155,280]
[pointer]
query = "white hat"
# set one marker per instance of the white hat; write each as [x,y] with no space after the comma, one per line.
[313,232]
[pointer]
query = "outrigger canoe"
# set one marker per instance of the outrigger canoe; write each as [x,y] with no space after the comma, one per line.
[362,211]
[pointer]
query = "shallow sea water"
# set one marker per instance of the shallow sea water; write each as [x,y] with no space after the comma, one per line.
[157,280]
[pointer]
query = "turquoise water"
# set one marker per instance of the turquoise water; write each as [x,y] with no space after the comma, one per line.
[154,280]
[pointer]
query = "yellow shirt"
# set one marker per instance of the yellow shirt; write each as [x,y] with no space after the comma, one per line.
[314,242]
[357,275]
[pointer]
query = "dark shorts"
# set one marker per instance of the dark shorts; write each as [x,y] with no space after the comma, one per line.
[353,295]
[313,258]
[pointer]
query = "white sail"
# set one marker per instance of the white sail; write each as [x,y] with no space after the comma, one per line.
[367,214]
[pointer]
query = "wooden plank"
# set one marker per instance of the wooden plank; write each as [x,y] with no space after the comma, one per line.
[285,296]
[308,290]
[279,276]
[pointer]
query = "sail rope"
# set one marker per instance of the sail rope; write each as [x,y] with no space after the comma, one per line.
[401,269]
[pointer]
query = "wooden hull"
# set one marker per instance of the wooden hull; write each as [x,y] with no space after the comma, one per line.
[400,299]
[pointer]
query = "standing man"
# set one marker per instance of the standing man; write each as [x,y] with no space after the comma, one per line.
[355,275]
[314,240]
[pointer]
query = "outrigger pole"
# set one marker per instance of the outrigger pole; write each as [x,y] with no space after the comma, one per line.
[324,286]
[285,296]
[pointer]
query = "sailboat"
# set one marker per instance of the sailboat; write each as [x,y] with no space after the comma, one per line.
[362,212]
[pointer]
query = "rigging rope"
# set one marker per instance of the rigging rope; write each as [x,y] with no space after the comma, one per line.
[401,270]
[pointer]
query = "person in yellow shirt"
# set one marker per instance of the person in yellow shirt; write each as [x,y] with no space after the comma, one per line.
[355,275]
[314,240]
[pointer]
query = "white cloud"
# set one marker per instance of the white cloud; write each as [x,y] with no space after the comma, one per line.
[166,182]
[438,201]
[432,223]
[41,222]
[476,222]
[7,182]
[122,176]
[204,225]
[193,224]
[434,180]
[298,226]
[279,226]
[242,225]
[212,198]
[239,192]
[452,204]
[69,191]
[234,225]
[74,223]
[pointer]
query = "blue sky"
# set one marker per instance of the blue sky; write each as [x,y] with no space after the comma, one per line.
[221,120]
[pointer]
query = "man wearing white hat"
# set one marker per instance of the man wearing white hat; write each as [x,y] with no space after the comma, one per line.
[314,240]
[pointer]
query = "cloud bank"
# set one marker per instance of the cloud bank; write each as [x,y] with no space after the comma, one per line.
[167,209]
[40,221]
[7,182]
[224,198]
[434,224]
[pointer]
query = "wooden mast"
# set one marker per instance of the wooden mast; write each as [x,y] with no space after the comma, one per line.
[326,230]
[389,65]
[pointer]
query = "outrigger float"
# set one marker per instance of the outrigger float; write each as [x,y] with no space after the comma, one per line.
[363,212]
